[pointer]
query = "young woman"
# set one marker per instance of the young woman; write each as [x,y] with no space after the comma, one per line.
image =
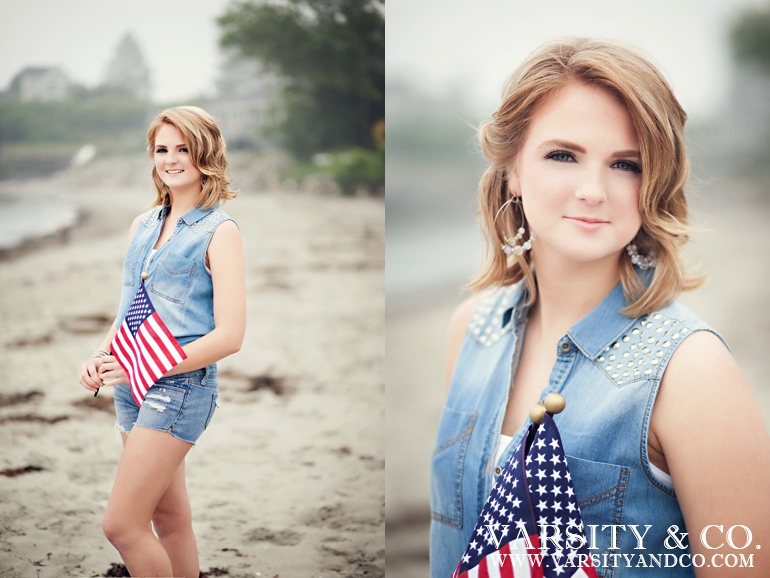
[192,255]
[584,210]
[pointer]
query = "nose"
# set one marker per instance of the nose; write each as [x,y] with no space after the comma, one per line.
[592,189]
[171,158]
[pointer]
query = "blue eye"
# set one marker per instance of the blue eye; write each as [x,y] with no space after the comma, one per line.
[627,166]
[561,156]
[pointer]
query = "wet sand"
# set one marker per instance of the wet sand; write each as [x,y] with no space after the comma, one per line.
[289,478]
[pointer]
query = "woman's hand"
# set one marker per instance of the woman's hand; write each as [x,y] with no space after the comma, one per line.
[111,373]
[89,373]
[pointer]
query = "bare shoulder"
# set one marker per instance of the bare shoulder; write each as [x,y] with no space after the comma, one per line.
[702,359]
[146,216]
[709,426]
[458,323]
[225,250]
[701,375]
[701,382]
[226,232]
[135,226]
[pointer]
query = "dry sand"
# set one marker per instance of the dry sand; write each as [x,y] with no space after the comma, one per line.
[289,478]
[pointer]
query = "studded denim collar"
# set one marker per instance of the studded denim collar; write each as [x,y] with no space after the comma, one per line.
[603,325]
[194,215]
[191,217]
[494,314]
[625,349]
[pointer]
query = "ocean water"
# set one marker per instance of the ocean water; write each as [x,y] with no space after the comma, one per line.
[27,218]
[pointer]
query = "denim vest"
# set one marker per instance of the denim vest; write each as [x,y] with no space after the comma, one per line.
[609,368]
[179,285]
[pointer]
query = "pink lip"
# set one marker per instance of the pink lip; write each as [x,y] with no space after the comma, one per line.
[587,223]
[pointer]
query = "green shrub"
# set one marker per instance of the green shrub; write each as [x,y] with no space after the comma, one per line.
[73,120]
[358,168]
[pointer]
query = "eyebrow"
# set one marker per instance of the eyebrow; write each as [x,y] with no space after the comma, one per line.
[164,146]
[571,146]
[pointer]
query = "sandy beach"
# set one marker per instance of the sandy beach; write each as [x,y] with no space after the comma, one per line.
[289,478]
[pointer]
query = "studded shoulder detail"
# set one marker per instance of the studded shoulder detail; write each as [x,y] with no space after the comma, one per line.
[210,222]
[150,218]
[640,352]
[487,324]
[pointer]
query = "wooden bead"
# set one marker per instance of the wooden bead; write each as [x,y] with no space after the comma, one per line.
[144,275]
[536,413]
[554,403]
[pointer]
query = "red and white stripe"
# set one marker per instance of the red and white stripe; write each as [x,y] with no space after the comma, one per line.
[510,561]
[516,560]
[149,356]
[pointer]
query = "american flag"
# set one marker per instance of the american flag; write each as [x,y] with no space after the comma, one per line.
[144,346]
[530,525]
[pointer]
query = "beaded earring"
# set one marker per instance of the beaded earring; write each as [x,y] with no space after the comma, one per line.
[644,262]
[515,245]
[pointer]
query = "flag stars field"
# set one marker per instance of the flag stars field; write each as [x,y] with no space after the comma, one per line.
[144,346]
[539,539]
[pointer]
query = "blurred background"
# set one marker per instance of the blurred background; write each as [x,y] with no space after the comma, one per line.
[289,479]
[79,83]
[447,61]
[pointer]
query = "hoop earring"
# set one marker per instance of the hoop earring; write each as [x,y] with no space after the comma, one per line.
[644,262]
[513,245]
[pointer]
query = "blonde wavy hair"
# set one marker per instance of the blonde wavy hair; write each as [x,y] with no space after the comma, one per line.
[659,122]
[207,150]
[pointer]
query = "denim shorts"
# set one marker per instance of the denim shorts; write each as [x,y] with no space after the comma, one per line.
[181,405]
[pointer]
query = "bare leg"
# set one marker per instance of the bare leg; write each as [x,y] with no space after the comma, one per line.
[172,521]
[148,464]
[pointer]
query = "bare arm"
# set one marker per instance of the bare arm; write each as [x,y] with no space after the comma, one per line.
[228,277]
[717,448]
[458,323]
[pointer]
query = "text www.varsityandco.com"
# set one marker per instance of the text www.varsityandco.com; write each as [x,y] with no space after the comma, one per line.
[562,548]
[628,560]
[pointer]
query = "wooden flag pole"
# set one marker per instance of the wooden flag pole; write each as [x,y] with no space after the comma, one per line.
[553,403]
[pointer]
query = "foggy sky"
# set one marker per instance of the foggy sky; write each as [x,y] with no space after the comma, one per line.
[178,39]
[441,45]
[472,47]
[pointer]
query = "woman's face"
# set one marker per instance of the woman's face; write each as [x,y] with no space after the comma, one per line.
[173,162]
[579,176]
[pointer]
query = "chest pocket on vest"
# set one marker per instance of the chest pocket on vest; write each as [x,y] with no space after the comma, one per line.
[601,492]
[129,266]
[173,277]
[446,486]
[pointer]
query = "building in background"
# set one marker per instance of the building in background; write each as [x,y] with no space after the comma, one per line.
[127,71]
[245,94]
[43,83]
